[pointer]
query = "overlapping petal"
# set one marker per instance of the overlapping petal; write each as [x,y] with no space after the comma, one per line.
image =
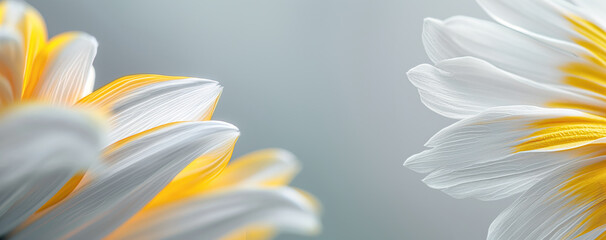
[27,28]
[463,87]
[217,214]
[515,52]
[60,73]
[255,172]
[42,148]
[139,168]
[503,151]
[566,205]
[550,54]
[156,160]
[140,102]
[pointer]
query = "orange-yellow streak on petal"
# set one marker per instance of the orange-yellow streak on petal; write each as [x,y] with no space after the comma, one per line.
[243,168]
[34,34]
[43,58]
[595,35]
[212,109]
[586,76]
[198,173]
[591,75]
[252,232]
[564,132]
[65,191]
[28,22]
[586,188]
[597,110]
[121,87]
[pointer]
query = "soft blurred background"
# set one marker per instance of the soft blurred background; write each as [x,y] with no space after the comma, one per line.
[324,79]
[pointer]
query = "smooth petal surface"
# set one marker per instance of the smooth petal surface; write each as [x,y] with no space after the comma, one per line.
[215,215]
[42,148]
[504,150]
[60,73]
[139,168]
[140,102]
[463,87]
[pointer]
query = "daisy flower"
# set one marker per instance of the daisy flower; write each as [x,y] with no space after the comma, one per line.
[530,95]
[136,159]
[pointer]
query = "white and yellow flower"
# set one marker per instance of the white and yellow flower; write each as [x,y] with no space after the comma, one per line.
[531,96]
[157,170]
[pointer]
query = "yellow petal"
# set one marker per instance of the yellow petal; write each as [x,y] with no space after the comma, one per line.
[60,73]
[67,188]
[563,133]
[28,23]
[586,188]
[199,172]
[269,167]
[253,232]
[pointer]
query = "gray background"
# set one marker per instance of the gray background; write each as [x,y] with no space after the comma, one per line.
[322,78]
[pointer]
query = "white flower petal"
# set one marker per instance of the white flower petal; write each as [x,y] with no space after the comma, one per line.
[596,7]
[505,48]
[481,156]
[64,66]
[140,168]
[215,215]
[501,177]
[42,148]
[11,63]
[151,104]
[534,17]
[89,85]
[550,210]
[24,28]
[463,87]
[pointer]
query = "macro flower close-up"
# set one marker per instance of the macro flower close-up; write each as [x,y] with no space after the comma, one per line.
[320,121]
[529,95]
[139,158]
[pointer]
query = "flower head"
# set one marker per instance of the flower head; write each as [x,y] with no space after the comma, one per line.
[136,159]
[530,94]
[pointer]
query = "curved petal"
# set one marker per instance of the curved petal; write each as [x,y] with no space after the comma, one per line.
[269,167]
[215,215]
[570,24]
[139,168]
[514,52]
[42,148]
[140,102]
[463,87]
[501,46]
[21,18]
[502,151]
[61,70]
[11,65]
[544,17]
[568,204]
